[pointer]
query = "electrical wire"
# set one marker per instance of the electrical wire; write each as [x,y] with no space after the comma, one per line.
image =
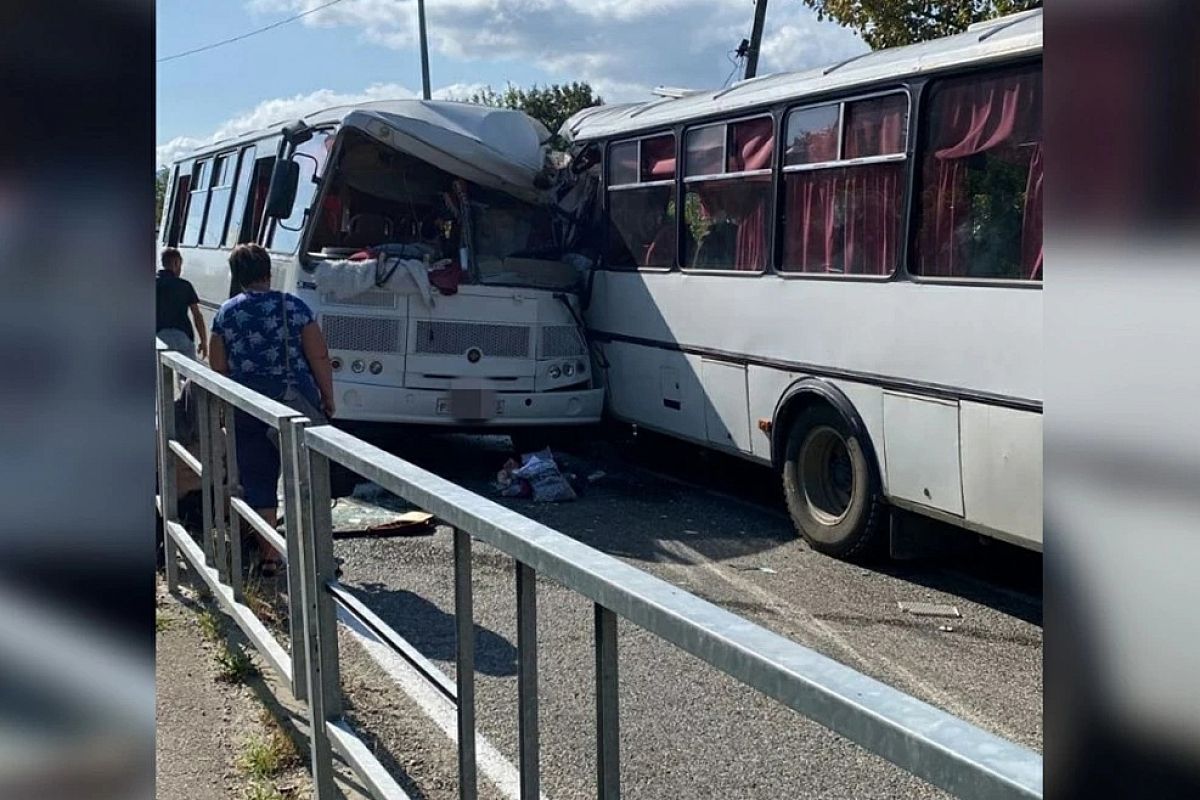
[737,63]
[249,34]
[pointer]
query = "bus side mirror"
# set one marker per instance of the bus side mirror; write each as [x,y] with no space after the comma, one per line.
[281,195]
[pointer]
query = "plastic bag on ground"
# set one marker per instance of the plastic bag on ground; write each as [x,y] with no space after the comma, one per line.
[549,485]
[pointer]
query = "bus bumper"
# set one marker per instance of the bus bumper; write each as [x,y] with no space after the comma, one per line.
[368,403]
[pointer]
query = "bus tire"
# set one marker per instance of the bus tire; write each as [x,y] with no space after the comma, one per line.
[832,486]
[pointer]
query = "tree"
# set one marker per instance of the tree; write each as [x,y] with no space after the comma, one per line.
[160,193]
[551,105]
[890,23]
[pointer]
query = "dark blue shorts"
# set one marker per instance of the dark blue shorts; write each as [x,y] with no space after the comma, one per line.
[257,462]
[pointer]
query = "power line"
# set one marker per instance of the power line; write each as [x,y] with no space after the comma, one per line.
[249,34]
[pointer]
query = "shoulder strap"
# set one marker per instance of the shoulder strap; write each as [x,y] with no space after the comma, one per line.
[287,344]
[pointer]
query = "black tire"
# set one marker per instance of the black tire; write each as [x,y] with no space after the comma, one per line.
[832,486]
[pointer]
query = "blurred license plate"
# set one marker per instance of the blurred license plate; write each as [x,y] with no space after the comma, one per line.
[473,403]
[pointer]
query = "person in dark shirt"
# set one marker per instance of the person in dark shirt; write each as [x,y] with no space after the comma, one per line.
[174,297]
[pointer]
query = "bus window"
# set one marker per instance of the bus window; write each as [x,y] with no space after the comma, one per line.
[641,202]
[727,177]
[245,173]
[981,173]
[179,196]
[197,202]
[842,217]
[218,200]
[310,156]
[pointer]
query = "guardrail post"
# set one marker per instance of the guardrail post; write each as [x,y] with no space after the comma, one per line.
[464,618]
[233,518]
[608,738]
[527,681]
[297,495]
[167,486]
[220,488]
[320,621]
[204,424]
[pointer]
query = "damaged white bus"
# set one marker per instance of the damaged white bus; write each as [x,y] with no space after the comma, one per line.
[837,272]
[420,234]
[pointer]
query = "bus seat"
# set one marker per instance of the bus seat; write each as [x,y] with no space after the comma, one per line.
[368,229]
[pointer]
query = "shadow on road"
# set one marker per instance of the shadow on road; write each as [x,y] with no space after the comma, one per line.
[659,495]
[431,630]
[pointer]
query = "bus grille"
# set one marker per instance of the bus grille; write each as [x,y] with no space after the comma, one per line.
[561,341]
[456,338]
[372,299]
[371,334]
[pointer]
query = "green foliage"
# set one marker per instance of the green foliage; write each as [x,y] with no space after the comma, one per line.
[266,756]
[233,665]
[891,23]
[550,105]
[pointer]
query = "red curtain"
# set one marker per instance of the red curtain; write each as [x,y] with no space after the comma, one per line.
[847,220]
[1031,223]
[844,221]
[995,115]
[752,145]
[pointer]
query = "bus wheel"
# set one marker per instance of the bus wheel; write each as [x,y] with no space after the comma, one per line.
[832,488]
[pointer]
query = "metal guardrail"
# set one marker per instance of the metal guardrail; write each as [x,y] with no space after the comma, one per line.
[931,744]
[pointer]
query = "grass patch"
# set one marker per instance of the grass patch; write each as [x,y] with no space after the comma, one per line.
[259,790]
[210,624]
[162,622]
[267,755]
[259,602]
[233,665]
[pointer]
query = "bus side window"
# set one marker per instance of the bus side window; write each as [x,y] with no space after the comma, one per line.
[641,202]
[843,186]
[981,172]
[218,200]
[245,173]
[179,198]
[727,177]
[197,204]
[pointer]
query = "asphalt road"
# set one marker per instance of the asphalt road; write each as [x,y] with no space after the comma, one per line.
[714,526]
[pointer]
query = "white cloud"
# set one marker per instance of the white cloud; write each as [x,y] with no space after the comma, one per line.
[280,110]
[621,47]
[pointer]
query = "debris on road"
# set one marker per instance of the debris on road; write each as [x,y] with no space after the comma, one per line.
[946,628]
[767,570]
[928,609]
[410,523]
[538,476]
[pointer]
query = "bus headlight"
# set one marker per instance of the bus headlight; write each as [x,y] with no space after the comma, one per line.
[580,367]
[336,363]
[358,365]
[376,368]
[555,372]
[568,369]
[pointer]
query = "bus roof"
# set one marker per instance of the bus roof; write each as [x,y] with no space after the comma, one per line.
[1005,37]
[502,129]
[497,147]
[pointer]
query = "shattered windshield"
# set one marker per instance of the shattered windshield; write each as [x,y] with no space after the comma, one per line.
[514,242]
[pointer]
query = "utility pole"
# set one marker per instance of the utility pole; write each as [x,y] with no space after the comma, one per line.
[424,49]
[760,16]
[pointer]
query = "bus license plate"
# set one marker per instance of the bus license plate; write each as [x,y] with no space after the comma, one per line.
[473,403]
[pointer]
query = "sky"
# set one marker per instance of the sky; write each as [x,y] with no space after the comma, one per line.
[367,50]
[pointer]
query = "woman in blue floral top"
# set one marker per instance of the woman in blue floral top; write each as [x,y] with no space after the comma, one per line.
[248,341]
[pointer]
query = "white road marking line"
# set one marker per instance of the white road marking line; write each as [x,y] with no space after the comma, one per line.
[501,772]
[809,622]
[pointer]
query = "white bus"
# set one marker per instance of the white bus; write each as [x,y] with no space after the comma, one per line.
[838,272]
[419,235]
